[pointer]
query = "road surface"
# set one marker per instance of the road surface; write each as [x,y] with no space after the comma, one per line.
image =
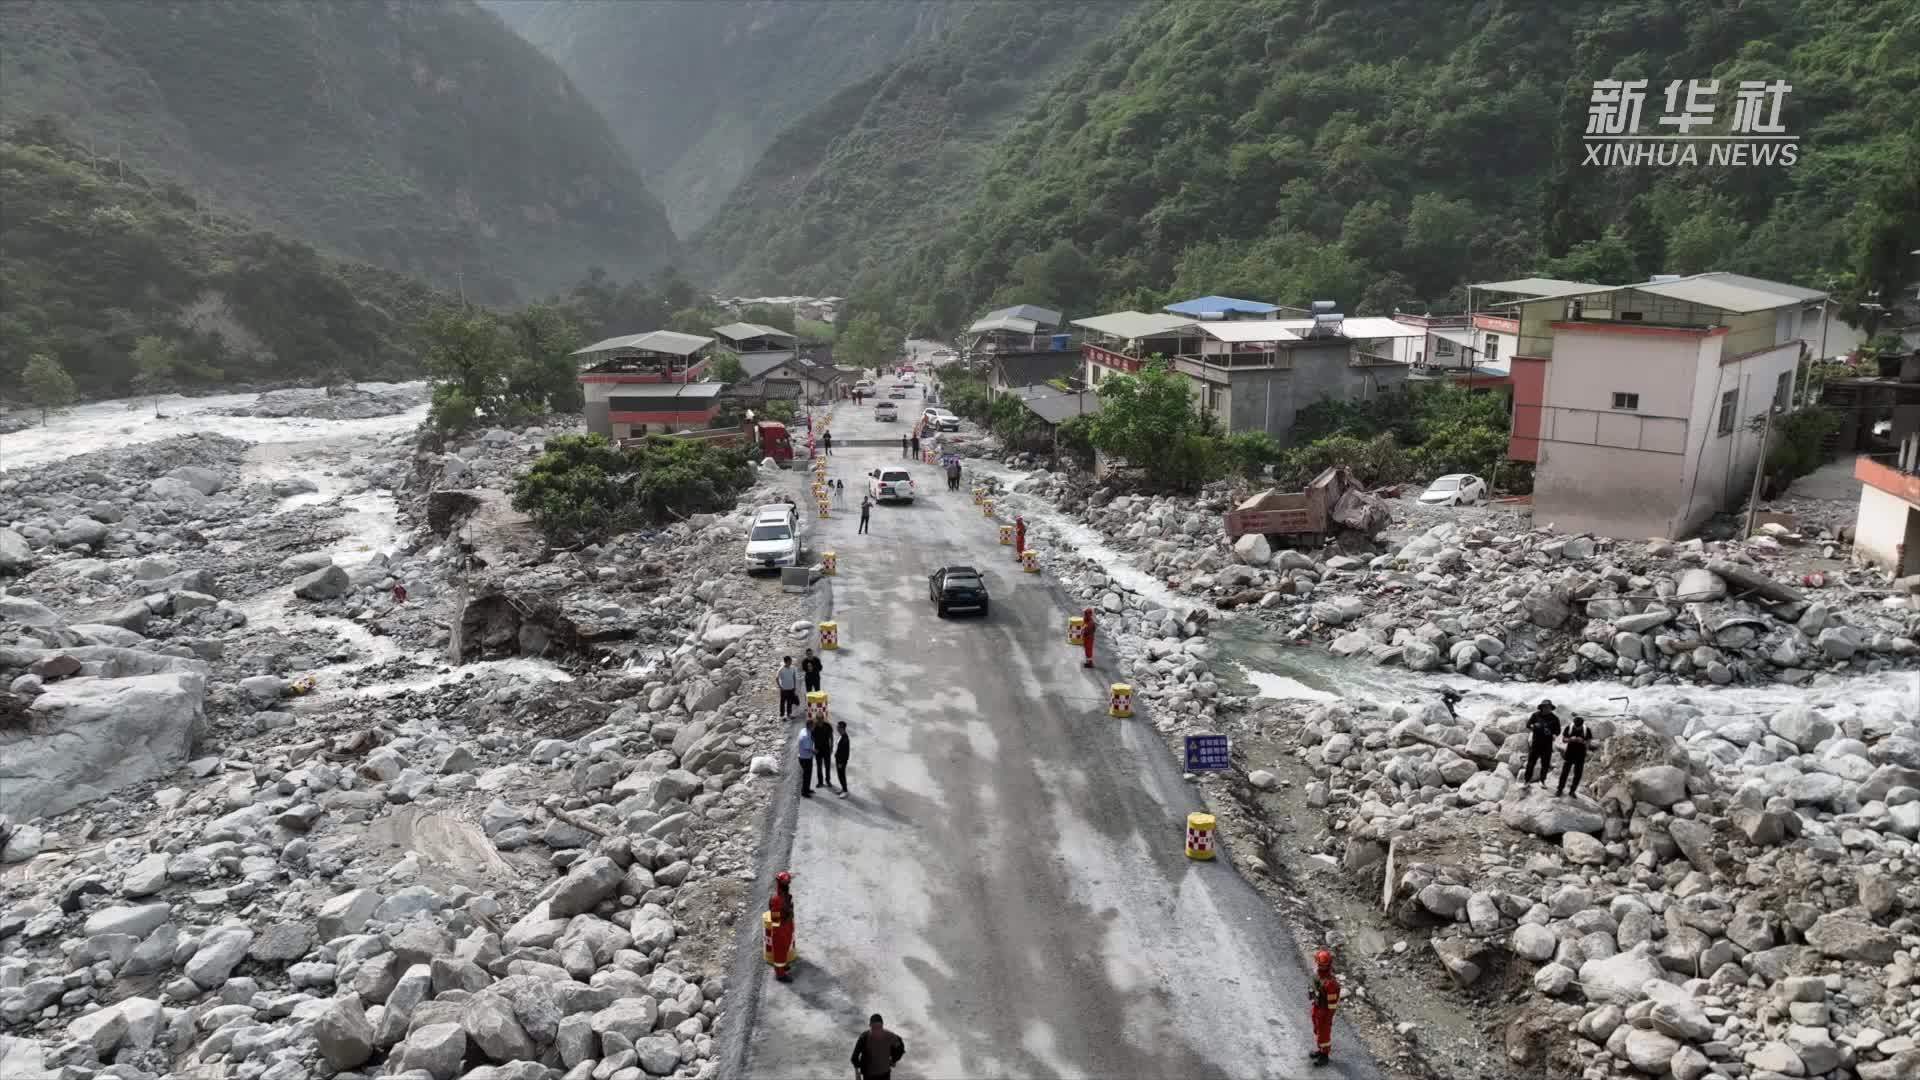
[1007,883]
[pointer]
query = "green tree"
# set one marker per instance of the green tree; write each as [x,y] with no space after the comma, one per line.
[544,377]
[468,357]
[866,342]
[1148,420]
[780,318]
[694,320]
[583,488]
[725,367]
[154,362]
[1610,260]
[49,387]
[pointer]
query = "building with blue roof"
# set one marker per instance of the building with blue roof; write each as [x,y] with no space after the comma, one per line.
[1223,307]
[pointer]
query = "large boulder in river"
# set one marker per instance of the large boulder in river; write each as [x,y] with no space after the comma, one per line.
[90,736]
[16,555]
[205,481]
[1542,815]
[323,584]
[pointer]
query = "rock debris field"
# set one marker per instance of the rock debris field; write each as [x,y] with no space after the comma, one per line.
[1734,891]
[254,823]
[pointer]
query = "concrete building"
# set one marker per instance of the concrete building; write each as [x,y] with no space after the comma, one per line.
[1254,374]
[744,337]
[1638,403]
[1887,532]
[1023,328]
[1223,308]
[649,383]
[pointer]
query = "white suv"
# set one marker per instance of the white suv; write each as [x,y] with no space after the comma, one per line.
[774,541]
[884,485]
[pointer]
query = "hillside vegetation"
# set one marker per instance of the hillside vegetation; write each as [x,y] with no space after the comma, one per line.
[696,91]
[423,136]
[1382,153]
[885,164]
[93,259]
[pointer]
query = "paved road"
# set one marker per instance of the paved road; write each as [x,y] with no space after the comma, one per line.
[1007,883]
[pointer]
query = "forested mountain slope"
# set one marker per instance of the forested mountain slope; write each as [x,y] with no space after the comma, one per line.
[95,256]
[1382,152]
[697,90]
[886,163]
[423,136]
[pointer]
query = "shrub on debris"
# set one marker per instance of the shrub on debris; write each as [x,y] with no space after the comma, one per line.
[584,488]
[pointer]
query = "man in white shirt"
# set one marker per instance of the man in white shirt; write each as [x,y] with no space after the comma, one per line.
[788,680]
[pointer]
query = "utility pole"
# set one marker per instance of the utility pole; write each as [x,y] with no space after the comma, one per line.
[1759,470]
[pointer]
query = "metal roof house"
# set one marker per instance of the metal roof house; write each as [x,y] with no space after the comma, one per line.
[1223,307]
[745,337]
[1022,328]
[641,383]
[1637,403]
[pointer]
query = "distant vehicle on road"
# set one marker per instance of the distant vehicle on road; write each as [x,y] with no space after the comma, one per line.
[957,588]
[1455,489]
[941,419]
[898,391]
[886,410]
[774,541]
[888,485]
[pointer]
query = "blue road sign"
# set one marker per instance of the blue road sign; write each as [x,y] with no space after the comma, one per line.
[1207,753]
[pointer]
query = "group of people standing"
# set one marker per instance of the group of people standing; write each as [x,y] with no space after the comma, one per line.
[824,747]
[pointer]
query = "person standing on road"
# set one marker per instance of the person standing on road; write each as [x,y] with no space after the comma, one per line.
[916,443]
[842,750]
[1542,728]
[1574,759]
[810,670]
[866,508]
[779,938]
[826,443]
[1019,536]
[1324,997]
[877,1051]
[806,762]
[903,445]
[823,753]
[1086,635]
[788,682]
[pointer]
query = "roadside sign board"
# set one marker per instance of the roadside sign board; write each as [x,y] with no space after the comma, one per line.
[1207,753]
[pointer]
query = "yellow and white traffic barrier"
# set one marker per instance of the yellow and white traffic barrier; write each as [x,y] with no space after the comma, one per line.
[829,562]
[1030,561]
[823,509]
[816,706]
[1120,700]
[829,636]
[1076,629]
[979,496]
[1006,535]
[986,507]
[1199,836]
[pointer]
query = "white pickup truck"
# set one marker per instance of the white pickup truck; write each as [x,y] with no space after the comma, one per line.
[886,410]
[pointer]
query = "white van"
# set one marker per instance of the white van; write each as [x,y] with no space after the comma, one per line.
[774,540]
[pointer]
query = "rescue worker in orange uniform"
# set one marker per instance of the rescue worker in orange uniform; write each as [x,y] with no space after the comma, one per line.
[1324,995]
[1019,536]
[1086,636]
[779,938]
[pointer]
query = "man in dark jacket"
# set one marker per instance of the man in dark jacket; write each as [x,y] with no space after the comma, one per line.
[876,1051]
[810,670]
[1574,757]
[1542,728]
[823,752]
[842,750]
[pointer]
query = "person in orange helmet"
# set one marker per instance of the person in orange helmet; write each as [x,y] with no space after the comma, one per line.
[779,938]
[1086,635]
[1324,996]
[1019,536]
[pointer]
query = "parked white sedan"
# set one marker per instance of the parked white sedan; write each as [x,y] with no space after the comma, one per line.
[1456,489]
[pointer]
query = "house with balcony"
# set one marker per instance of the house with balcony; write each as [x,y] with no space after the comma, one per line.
[1254,374]
[1887,531]
[1639,404]
[648,383]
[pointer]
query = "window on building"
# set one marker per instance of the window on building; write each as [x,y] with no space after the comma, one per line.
[1627,402]
[1442,347]
[1214,396]
[1493,347]
[1729,406]
[1783,390]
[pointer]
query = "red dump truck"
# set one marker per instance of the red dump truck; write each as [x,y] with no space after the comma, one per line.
[766,438]
[1301,517]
